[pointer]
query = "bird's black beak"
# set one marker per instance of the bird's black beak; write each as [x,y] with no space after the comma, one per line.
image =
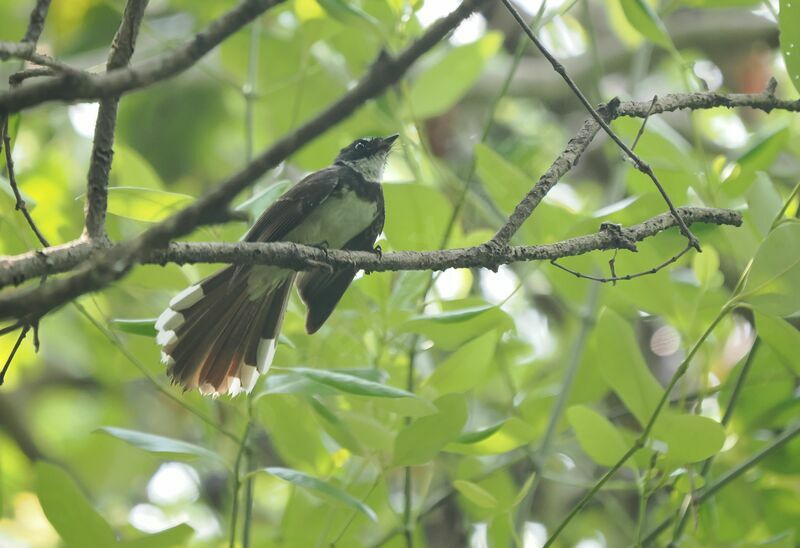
[386,142]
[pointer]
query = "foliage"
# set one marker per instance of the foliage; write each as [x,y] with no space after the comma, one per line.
[496,397]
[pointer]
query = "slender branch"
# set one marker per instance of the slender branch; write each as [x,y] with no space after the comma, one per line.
[15,270]
[614,278]
[637,161]
[92,87]
[5,142]
[115,262]
[36,21]
[13,353]
[103,146]
[27,52]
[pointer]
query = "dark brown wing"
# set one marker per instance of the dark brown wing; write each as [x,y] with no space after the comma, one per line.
[291,209]
[321,290]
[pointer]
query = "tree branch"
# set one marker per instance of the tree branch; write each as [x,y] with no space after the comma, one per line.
[36,21]
[103,147]
[35,302]
[671,102]
[88,87]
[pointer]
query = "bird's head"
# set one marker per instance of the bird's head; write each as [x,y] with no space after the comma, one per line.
[367,156]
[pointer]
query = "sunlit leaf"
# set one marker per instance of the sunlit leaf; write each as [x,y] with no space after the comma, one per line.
[441,86]
[598,437]
[67,509]
[642,17]
[689,438]
[453,327]
[763,203]
[782,337]
[176,449]
[419,216]
[511,434]
[351,384]
[422,440]
[174,536]
[475,494]
[467,367]
[145,204]
[145,327]
[320,487]
[774,276]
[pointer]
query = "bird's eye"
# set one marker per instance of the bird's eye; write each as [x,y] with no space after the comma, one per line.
[360,145]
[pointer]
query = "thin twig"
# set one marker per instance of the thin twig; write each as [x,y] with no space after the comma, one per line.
[13,353]
[12,180]
[614,278]
[638,162]
[644,123]
[103,145]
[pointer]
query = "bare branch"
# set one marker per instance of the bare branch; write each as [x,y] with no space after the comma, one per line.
[637,161]
[103,147]
[36,302]
[5,143]
[27,52]
[88,87]
[36,21]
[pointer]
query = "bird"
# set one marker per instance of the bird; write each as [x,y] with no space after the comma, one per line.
[220,334]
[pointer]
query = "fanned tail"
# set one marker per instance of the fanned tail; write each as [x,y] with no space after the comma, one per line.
[220,334]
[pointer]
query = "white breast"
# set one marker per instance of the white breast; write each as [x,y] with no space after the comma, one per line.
[336,221]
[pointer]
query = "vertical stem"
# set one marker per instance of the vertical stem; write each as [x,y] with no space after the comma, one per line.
[408,491]
[726,418]
[640,441]
[561,401]
[237,484]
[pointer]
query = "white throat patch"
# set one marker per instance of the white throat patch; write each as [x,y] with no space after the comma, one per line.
[371,168]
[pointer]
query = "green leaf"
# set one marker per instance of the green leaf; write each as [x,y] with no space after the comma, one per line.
[174,536]
[259,203]
[475,494]
[763,203]
[351,384]
[442,85]
[598,437]
[495,440]
[320,487]
[145,204]
[419,216]
[422,440]
[152,443]
[467,367]
[68,510]
[762,151]
[623,367]
[774,275]
[789,26]
[782,337]
[642,17]
[145,327]
[506,183]
[706,265]
[351,15]
[450,329]
[689,438]
[132,170]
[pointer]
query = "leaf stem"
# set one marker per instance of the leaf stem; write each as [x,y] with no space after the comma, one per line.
[642,439]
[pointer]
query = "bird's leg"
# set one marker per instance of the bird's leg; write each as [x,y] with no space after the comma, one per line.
[378,250]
